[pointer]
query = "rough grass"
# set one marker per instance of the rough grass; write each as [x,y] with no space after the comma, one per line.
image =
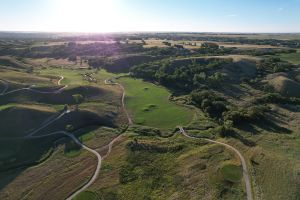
[98,137]
[59,176]
[151,106]
[26,79]
[191,173]
[51,62]
[275,161]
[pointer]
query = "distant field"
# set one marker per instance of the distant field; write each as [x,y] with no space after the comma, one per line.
[250,36]
[38,44]
[187,44]
[292,57]
[150,106]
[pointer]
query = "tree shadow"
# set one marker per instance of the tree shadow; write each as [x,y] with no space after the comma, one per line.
[272,127]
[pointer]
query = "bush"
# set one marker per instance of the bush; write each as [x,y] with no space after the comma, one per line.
[147,131]
[69,127]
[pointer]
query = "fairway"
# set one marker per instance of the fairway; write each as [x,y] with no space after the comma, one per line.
[292,57]
[150,106]
[71,77]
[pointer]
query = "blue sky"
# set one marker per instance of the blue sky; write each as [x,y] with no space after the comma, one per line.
[151,15]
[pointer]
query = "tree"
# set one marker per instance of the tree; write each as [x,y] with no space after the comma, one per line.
[78,98]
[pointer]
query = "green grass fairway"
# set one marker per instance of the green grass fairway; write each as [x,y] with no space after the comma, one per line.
[292,57]
[74,77]
[232,173]
[150,106]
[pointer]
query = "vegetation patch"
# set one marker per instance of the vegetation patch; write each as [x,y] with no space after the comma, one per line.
[231,172]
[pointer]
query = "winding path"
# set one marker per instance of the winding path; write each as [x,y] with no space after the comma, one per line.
[110,145]
[241,157]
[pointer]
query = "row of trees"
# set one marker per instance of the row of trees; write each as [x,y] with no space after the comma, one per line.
[184,75]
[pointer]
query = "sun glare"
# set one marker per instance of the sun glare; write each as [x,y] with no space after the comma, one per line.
[86,15]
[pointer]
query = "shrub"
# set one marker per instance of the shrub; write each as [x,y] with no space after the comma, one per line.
[253,113]
[209,102]
[69,127]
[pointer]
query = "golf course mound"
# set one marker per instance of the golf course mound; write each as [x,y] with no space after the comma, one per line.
[285,86]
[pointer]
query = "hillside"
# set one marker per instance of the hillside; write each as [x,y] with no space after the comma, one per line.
[149,116]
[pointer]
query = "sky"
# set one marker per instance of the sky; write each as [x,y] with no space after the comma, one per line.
[267,16]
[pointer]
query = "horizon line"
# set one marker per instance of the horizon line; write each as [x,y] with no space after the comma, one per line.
[124,32]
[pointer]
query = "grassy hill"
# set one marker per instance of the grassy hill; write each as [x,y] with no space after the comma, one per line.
[285,86]
[16,121]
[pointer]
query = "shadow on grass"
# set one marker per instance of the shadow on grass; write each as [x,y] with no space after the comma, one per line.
[266,125]
[16,156]
[272,127]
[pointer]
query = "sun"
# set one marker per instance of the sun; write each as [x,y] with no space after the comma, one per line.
[87,15]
